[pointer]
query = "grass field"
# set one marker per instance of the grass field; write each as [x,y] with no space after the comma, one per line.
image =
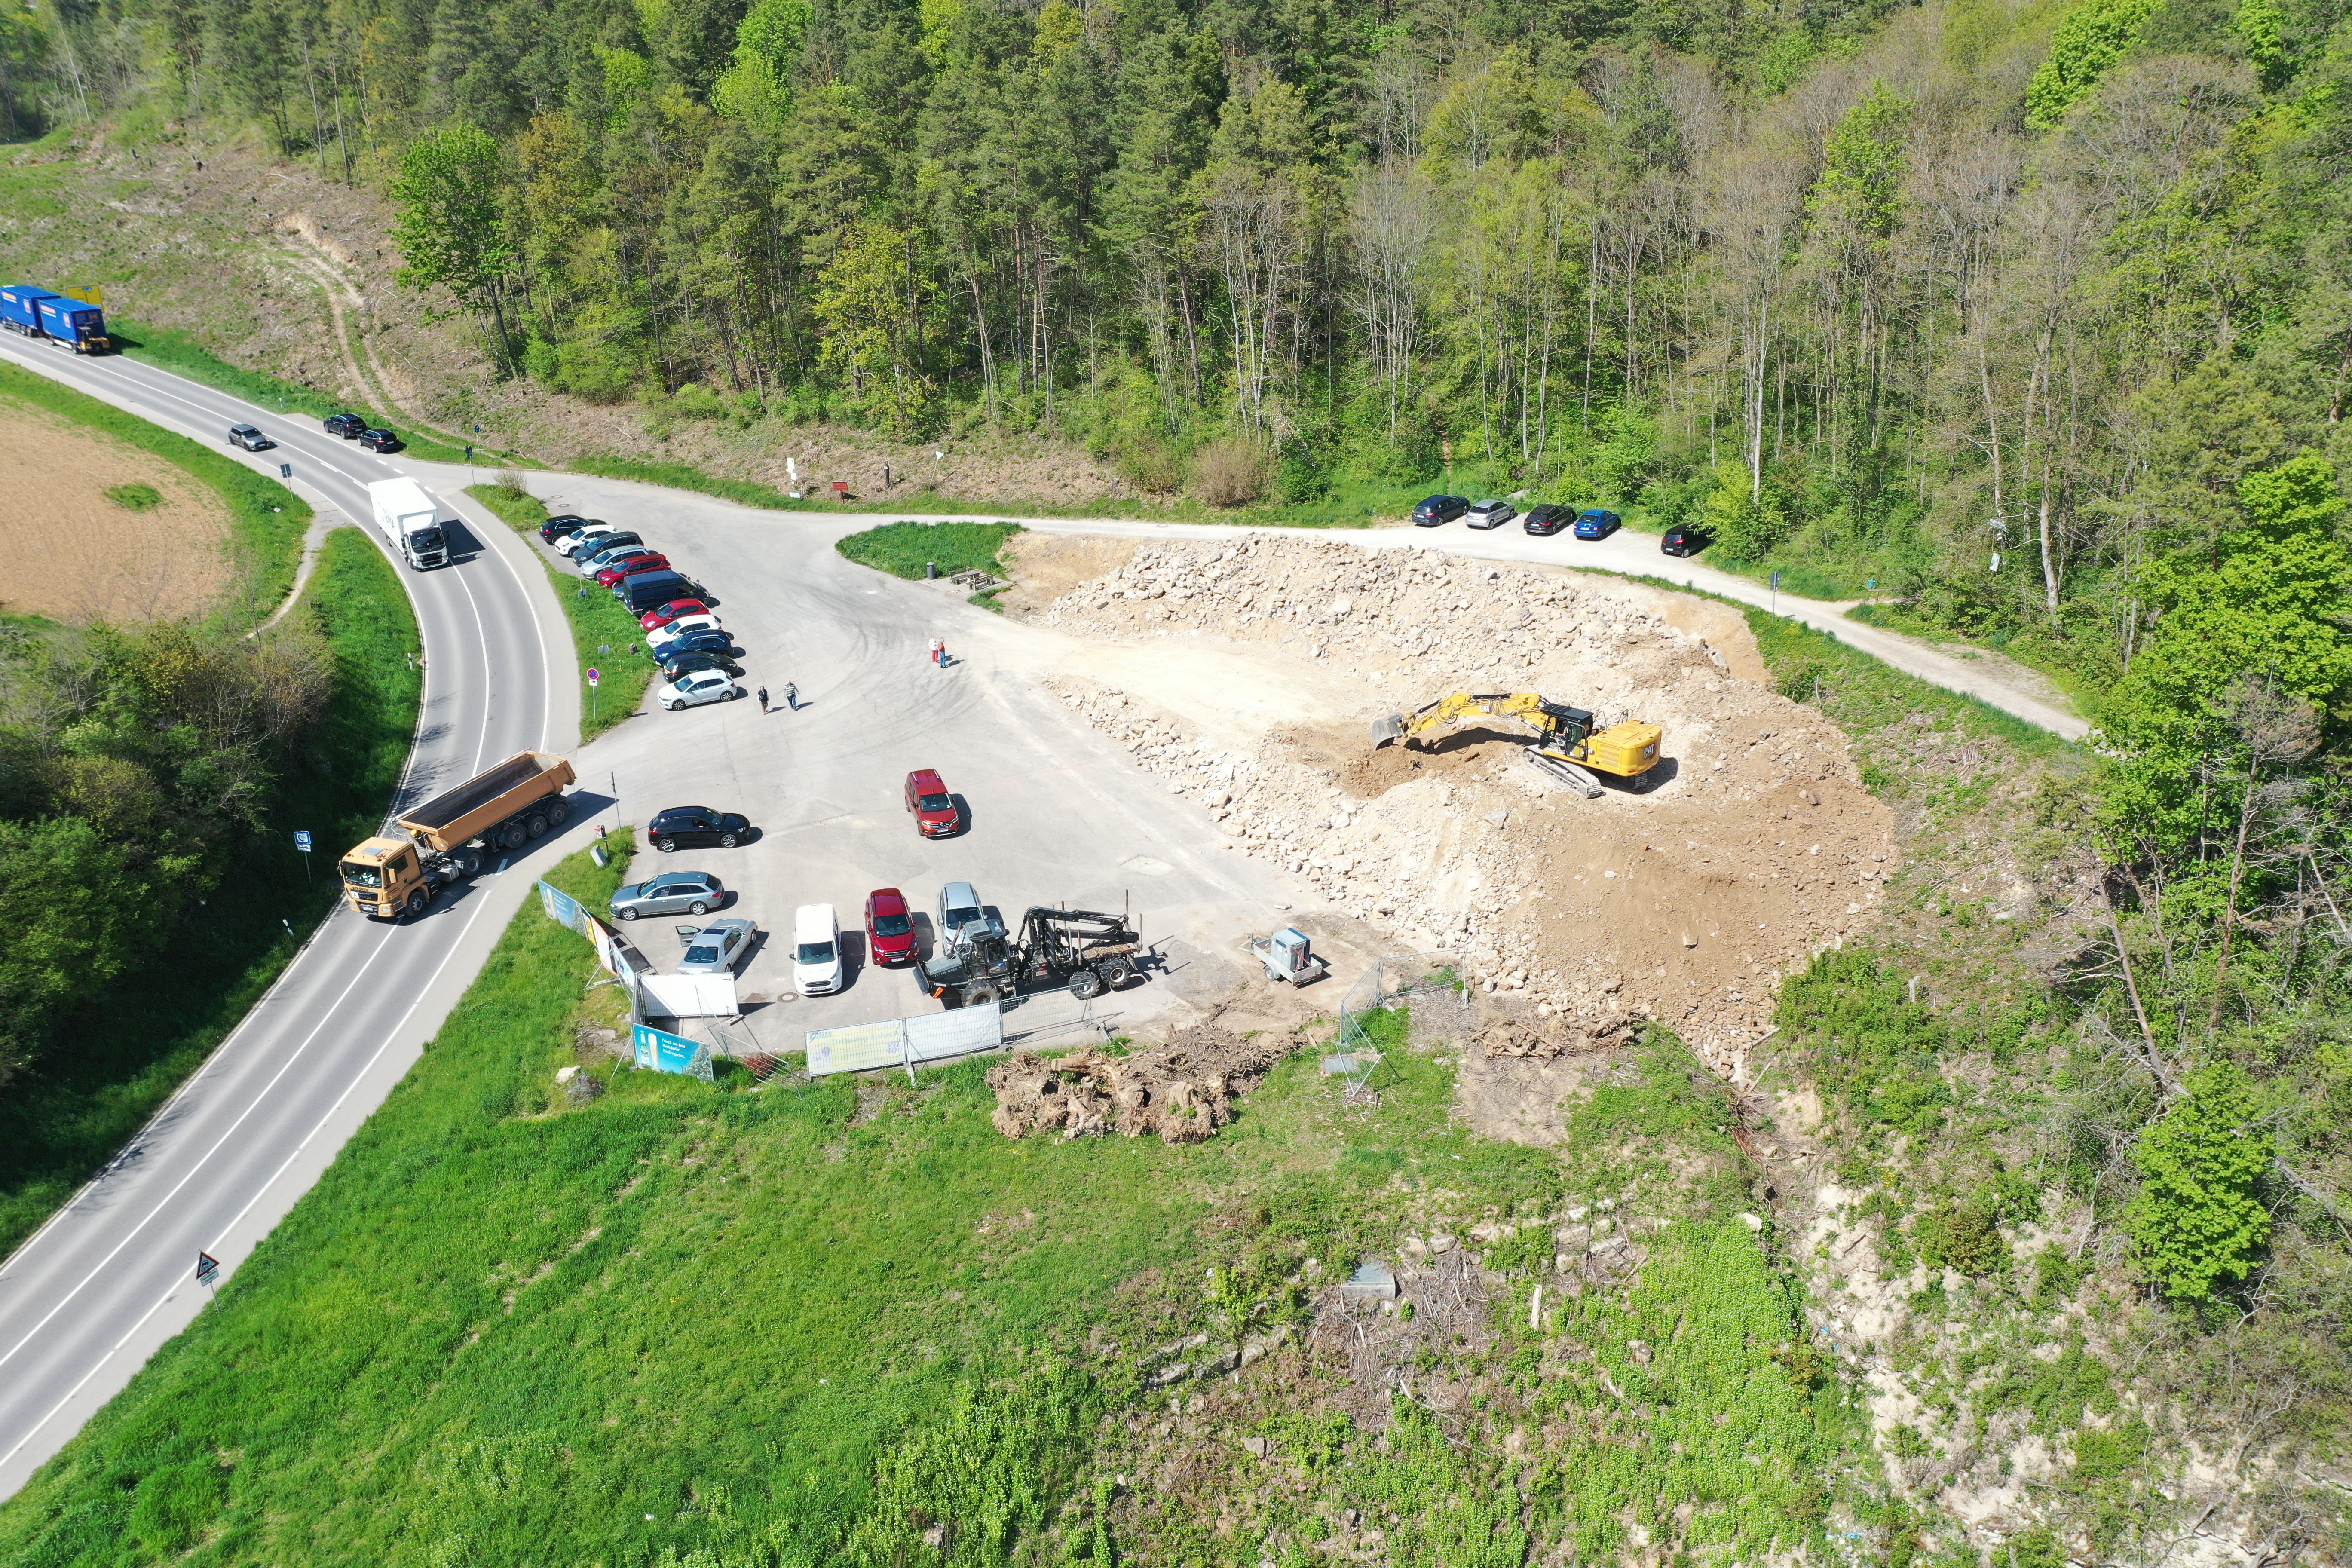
[609,639]
[167,348]
[904,549]
[56,1128]
[266,521]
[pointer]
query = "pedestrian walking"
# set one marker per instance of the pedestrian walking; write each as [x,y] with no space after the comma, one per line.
[763,699]
[791,697]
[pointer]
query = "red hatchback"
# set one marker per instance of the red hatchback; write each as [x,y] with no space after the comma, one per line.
[628,564]
[933,807]
[654,620]
[890,927]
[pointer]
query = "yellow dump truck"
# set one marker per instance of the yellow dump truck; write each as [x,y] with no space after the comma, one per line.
[450,834]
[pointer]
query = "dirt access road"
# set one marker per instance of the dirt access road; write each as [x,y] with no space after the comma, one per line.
[2012,691]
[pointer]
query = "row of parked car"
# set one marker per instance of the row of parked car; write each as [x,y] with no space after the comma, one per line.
[1547,519]
[698,655]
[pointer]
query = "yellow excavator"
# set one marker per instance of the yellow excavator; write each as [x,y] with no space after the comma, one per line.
[1566,747]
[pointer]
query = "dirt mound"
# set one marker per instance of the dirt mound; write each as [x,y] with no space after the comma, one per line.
[1685,904]
[1549,1041]
[1180,1091]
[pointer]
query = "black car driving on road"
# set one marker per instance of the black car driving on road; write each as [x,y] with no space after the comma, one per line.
[683,825]
[1548,518]
[375,438]
[344,424]
[1435,510]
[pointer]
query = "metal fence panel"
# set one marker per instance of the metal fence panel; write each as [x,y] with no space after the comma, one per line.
[957,1032]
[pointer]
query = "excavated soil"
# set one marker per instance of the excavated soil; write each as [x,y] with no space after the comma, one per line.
[1249,672]
[102,561]
[1180,1091]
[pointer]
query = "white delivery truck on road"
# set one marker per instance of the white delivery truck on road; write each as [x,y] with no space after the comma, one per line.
[409,519]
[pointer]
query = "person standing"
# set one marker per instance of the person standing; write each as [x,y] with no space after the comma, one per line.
[943,653]
[791,697]
[763,699]
[938,650]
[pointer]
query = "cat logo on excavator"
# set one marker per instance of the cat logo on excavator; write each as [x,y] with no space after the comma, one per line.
[1566,748]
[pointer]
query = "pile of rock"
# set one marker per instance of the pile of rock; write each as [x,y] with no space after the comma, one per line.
[1180,1092]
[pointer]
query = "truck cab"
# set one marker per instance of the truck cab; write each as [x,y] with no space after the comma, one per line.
[381,874]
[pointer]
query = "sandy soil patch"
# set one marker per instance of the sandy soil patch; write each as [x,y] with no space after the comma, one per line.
[1249,673]
[100,559]
[1045,566]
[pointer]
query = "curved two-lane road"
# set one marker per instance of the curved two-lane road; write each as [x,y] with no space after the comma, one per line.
[110,1277]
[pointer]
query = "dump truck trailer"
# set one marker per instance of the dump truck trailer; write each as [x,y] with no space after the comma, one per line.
[445,839]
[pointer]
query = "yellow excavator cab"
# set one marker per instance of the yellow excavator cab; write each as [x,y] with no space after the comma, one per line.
[1627,750]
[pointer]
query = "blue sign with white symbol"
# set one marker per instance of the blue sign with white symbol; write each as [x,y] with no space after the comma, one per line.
[303,839]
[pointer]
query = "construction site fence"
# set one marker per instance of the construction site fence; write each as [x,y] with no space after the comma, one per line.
[1390,982]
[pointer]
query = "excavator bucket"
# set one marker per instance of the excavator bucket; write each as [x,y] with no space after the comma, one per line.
[1388,729]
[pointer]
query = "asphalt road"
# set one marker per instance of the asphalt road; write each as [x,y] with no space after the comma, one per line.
[89,1297]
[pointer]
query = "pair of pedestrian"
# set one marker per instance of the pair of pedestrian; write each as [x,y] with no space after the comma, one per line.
[792,698]
[940,652]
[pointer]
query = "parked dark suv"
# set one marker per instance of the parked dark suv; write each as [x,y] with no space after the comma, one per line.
[697,824]
[344,424]
[1548,518]
[1439,508]
[378,440]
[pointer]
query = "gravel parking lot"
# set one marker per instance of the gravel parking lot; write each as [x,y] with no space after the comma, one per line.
[1055,812]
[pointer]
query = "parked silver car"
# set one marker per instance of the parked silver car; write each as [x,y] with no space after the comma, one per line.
[701,686]
[671,893]
[960,909]
[715,948]
[1490,514]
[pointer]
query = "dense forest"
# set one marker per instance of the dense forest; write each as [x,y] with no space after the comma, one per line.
[1993,301]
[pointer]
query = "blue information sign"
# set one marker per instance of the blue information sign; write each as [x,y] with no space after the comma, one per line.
[303,839]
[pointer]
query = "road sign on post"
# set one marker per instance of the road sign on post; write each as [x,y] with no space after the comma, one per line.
[207,1269]
[592,676]
[302,848]
[285,471]
[1776,592]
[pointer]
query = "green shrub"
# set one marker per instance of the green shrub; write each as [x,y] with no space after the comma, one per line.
[135,497]
[904,549]
[2198,1220]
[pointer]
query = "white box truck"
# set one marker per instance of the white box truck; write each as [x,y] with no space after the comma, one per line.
[409,519]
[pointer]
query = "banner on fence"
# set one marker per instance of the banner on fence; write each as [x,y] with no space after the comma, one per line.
[562,907]
[658,1050]
[906,1042]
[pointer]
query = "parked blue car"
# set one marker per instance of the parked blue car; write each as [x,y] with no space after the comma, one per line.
[1596,523]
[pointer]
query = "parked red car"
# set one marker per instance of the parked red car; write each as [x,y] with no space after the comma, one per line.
[654,620]
[619,569]
[890,927]
[933,807]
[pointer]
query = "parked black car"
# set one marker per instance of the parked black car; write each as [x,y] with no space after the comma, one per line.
[683,824]
[556,528]
[344,424]
[699,642]
[1439,508]
[688,663]
[1548,518]
[375,438]
[1685,540]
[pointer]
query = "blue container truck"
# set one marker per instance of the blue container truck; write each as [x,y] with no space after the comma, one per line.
[79,323]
